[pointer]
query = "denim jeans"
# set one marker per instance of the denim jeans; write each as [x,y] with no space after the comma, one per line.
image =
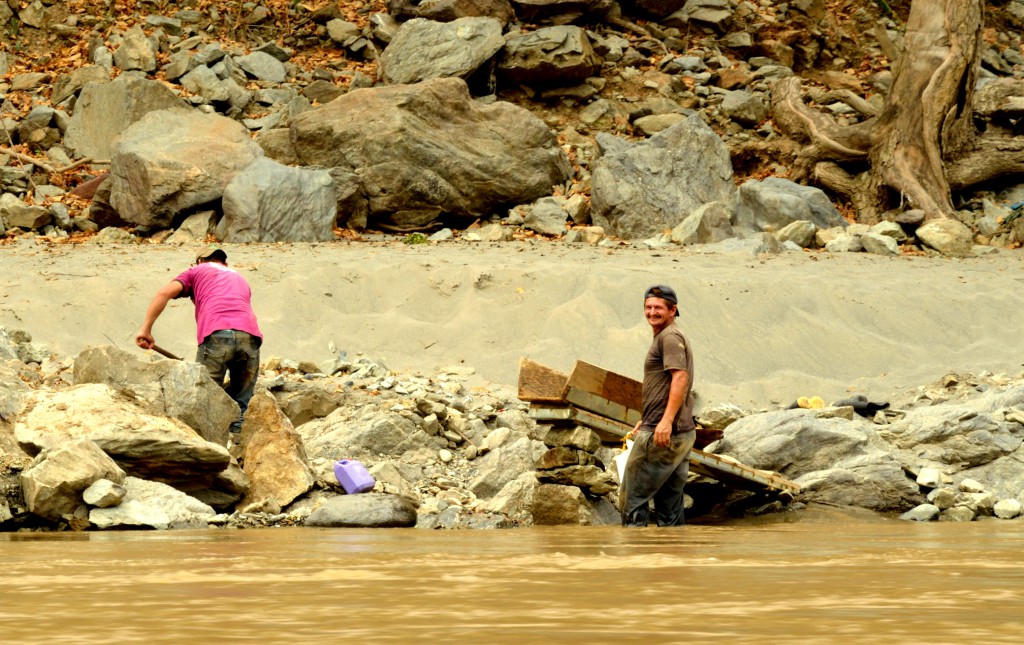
[656,473]
[237,355]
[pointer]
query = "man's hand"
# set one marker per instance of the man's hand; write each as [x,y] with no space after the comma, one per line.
[144,339]
[663,433]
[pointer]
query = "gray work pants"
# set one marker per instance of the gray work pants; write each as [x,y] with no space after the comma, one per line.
[656,473]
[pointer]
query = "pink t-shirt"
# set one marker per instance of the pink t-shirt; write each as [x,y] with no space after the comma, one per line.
[221,296]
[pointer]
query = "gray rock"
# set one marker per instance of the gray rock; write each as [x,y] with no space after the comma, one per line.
[921,513]
[274,455]
[957,514]
[834,460]
[263,67]
[709,224]
[142,444]
[514,500]
[335,436]
[556,504]
[17,214]
[714,13]
[579,437]
[560,54]
[53,484]
[500,466]
[449,10]
[204,82]
[879,244]
[559,12]
[105,109]
[1007,509]
[270,202]
[104,493]
[136,51]
[70,84]
[367,510]
[774,203]
[929,478]
[947,236]
[424,49]
[744,108]
[173,160]
[427,150]
[800,232]
[890,229]
[178,389]
[592,479]
[943,498]
[546,217]
[150,504]
[642,189]
[845,243]
[195,228]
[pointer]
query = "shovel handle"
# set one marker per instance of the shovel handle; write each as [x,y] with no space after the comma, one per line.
[164,352]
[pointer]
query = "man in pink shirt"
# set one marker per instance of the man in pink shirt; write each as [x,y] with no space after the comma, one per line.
[228,336]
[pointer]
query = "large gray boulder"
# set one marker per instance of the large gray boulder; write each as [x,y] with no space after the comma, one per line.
[642,189]
[773,203]
[106,109]
[275,458]
[424,49]
[550,55]
[835,460]
[367,510]
[54,483]
[152,505]
[429,150]
[173,160]
[142,444]
[271,202]
[179,389]
[449,10]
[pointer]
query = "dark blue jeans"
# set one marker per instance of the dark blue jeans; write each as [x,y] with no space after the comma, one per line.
[656,473]
[237,355]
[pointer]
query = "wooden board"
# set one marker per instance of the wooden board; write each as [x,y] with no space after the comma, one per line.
[605,393]
[614,387]
[540,383]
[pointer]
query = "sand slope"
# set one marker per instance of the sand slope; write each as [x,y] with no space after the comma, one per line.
[798,324]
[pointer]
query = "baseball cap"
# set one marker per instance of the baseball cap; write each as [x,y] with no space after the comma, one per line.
[662,291]
[211,252]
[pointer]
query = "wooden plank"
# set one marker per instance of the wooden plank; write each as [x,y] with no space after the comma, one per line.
[602,406]
[540,383]
[539,412]
[614,387]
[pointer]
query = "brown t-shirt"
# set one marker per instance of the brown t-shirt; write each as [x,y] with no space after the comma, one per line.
[669,351]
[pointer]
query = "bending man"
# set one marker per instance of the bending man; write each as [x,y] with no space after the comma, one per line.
[228,336]
[659,461]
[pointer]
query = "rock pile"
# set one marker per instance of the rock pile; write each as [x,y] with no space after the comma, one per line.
[115,450]
[562,118]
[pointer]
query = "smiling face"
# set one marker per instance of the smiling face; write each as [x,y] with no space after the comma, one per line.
[659,313]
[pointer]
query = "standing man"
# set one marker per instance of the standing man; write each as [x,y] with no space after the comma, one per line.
[659,461]
[229,338]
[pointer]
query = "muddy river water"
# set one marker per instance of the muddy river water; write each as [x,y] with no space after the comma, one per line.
[821,579]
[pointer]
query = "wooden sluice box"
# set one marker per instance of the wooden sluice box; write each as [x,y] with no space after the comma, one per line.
[610,404]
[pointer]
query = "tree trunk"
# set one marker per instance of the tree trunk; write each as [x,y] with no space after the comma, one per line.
[924,143]
[928,118]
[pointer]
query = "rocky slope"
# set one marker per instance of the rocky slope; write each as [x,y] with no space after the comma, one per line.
[586,69]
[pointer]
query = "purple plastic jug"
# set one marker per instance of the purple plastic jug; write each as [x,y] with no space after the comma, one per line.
[353,476]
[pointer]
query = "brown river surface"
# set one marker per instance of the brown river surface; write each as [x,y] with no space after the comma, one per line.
[823,579]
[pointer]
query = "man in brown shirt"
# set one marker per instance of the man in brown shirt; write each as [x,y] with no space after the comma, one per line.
[659,461]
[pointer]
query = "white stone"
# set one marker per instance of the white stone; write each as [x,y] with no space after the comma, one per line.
[929,478]
[1007,509]
[971,486]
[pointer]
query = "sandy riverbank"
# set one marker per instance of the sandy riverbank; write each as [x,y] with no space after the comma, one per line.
[763,330]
